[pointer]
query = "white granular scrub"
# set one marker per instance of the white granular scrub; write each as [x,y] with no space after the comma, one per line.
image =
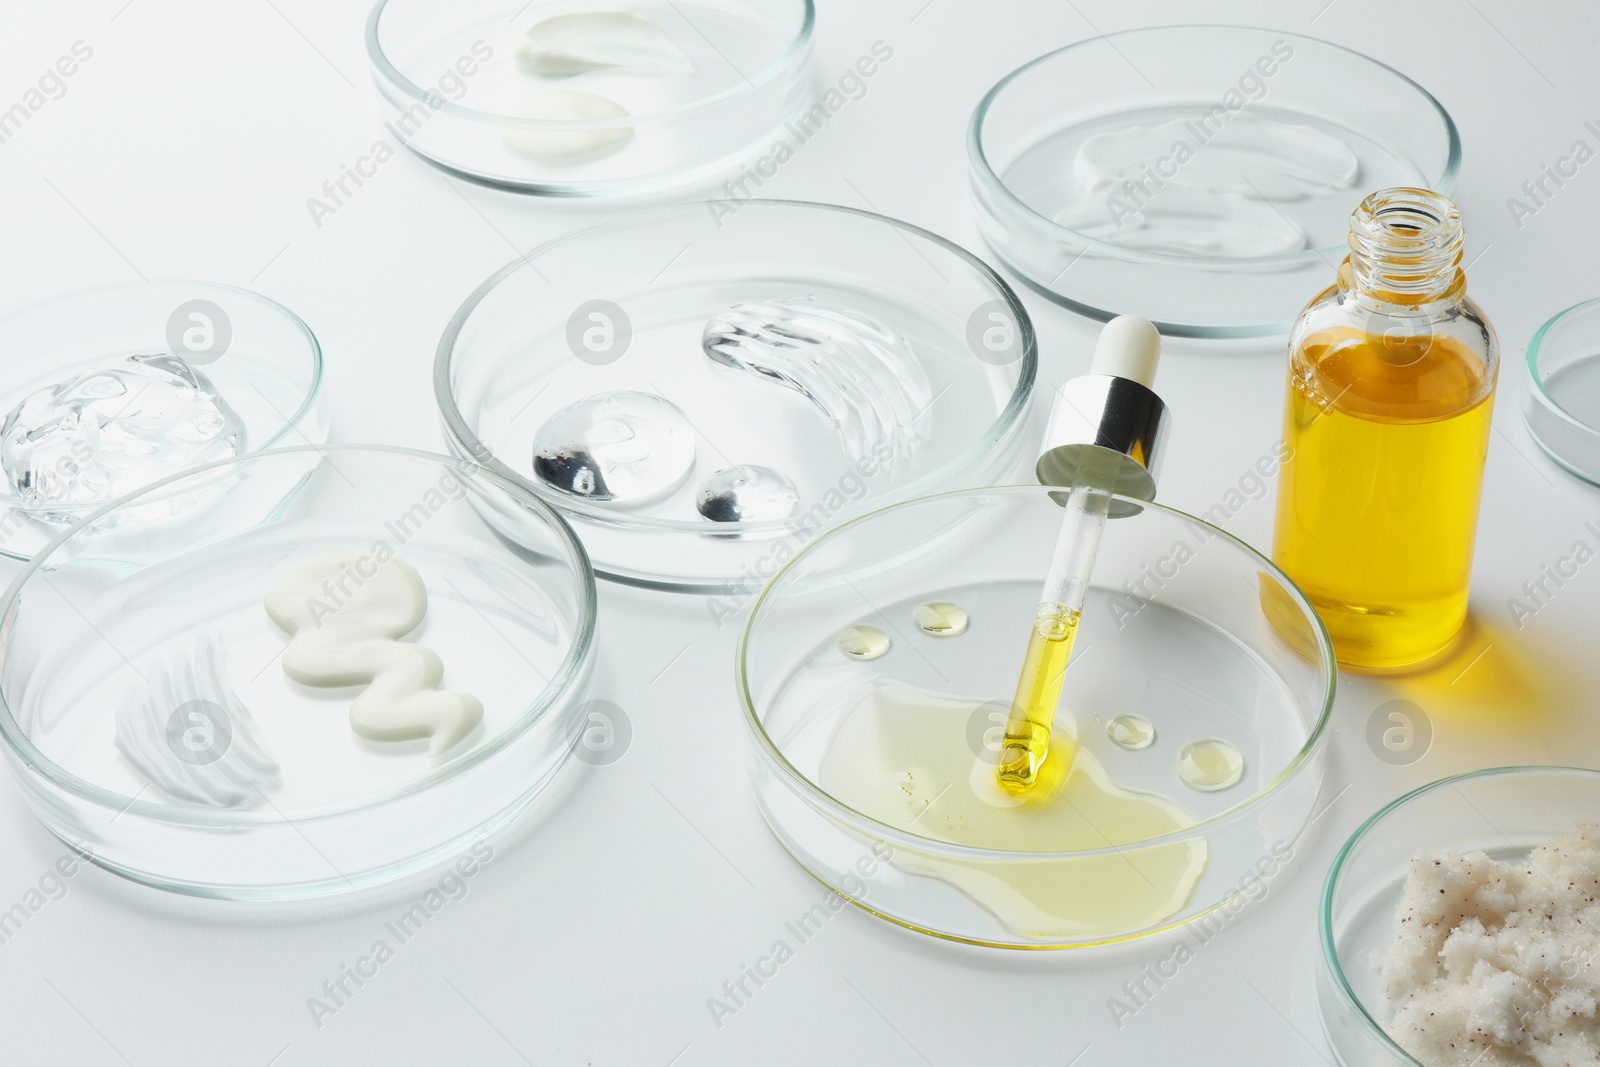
[1498,964]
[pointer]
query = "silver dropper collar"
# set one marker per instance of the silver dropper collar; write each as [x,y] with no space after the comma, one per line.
[1108,430]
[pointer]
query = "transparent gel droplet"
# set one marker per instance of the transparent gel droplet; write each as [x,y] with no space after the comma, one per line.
[1219,205]
[861,374]
[1210,765]
[109,431]
[863,642]
[622,448]
[940,618]
[747,494]
[1131,731]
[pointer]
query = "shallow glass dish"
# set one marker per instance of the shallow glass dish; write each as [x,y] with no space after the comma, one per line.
[1246,150]
[711,82]
[622,306]
[85,633]
[1503,811]
[1174,630]
[1562,402]
[257,354]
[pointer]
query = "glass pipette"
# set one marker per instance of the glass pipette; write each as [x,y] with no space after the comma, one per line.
[1102,440]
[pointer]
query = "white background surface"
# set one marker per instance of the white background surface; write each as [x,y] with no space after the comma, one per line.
[187,148]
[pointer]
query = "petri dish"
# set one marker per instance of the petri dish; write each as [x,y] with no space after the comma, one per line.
[260,360]
[144,698]
[623,308]
[1503,811]
[1562,403]
[1186,646]
[1199,176]
[634,97]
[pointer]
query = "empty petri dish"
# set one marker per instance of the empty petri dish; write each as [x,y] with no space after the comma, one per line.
[1203,175]
[855,359]
[874,765]
[106,390]
[1505,812]
[1562,403]
[160,717]
[592,98]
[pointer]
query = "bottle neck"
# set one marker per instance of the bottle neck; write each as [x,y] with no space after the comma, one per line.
[1405,248]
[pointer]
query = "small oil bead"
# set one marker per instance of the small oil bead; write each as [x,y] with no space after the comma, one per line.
[940,618]
[1210,765]
[863,642]
[1131,731]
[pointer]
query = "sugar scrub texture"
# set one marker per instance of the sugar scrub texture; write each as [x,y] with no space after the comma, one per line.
[1498,964]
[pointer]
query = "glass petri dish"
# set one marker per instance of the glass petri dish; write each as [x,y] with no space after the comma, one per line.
[1174,631]
[1503,811]
[1243,149]
[259,358]
[118,636]
[621,307]
[687,90]
[1562,403]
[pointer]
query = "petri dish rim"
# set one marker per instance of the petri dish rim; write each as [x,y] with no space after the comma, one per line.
[390,73]
[90,508]
[984,173]
[1542,394]
[456,425]
[827,801]
[570,673]
[1330,952]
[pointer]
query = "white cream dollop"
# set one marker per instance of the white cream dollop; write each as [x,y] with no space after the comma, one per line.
[345,612]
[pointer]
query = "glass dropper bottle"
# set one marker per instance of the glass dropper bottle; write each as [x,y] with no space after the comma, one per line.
[1386,427]
[1104,438]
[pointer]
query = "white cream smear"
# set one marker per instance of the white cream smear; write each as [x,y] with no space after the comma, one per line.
[566,45]
[567,105]
[346,612]
[186,730]
[1177,188]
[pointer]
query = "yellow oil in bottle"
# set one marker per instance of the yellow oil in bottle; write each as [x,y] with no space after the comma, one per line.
[1378,500]
[1028,739]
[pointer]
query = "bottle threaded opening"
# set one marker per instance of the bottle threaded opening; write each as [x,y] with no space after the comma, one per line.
[1406,242]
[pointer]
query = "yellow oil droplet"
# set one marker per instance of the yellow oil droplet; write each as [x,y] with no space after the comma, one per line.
[940,618]
[863,642]
[1209,765]
[1131,731]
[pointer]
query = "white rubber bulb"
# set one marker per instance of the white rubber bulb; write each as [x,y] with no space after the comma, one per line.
[1129,347]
